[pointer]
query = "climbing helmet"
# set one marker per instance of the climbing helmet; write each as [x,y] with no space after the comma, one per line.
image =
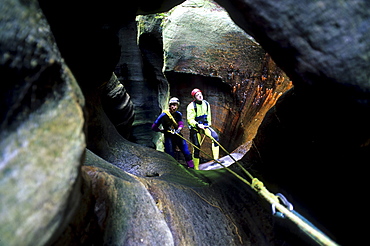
[174,100]
[195,91]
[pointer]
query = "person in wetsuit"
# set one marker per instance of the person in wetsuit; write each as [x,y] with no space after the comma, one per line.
[199,120]
[171,121]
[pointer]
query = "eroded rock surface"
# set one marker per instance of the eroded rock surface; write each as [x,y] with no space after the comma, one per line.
[42,138]
[316,129]
[204,48]
[122,209]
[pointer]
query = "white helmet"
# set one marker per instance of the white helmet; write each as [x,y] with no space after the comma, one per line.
[174,100]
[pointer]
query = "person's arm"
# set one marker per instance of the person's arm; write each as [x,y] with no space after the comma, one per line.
[209,116]
[180,124]
[155,127]
[157,123]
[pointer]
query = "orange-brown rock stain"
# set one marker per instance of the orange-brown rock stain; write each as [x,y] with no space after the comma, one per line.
[253,93]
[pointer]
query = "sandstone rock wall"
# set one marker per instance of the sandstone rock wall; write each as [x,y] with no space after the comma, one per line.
[204,48]
[313,146]
[42,133]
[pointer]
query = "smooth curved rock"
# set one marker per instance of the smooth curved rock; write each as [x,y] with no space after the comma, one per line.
[118,106]
[322,45]
[204,48]
[122,209]
[200,38]
[42,138]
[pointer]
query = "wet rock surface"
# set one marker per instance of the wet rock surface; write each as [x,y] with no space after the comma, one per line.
[53,190]
[164,210]
[203,48]
[42,138]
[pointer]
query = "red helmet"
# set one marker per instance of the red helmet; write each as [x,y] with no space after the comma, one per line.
[195,91]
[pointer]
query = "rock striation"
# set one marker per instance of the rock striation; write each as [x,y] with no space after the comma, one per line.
[42,133]
[67,175]
[204,48]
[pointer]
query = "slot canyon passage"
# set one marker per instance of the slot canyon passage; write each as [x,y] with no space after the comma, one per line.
[83,82]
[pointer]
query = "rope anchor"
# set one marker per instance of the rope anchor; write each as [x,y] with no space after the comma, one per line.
[285,202]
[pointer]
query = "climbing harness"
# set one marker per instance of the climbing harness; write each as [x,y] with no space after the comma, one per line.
[280,206]
[195,106]
[202,119]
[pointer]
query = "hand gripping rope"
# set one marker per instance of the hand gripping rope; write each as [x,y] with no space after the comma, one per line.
[280,206]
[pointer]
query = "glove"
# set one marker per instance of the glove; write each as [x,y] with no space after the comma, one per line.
[178,130]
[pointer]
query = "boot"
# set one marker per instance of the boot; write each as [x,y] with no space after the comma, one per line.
[215,151]
[190,164]
[196,163]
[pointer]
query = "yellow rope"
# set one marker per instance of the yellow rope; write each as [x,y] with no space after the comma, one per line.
[260,188]
[315,234]
[245,171]
[228,169]
[171,117]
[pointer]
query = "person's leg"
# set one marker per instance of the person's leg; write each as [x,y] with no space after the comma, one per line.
[195,139]
[215,148]
[183,146]
[169,146]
